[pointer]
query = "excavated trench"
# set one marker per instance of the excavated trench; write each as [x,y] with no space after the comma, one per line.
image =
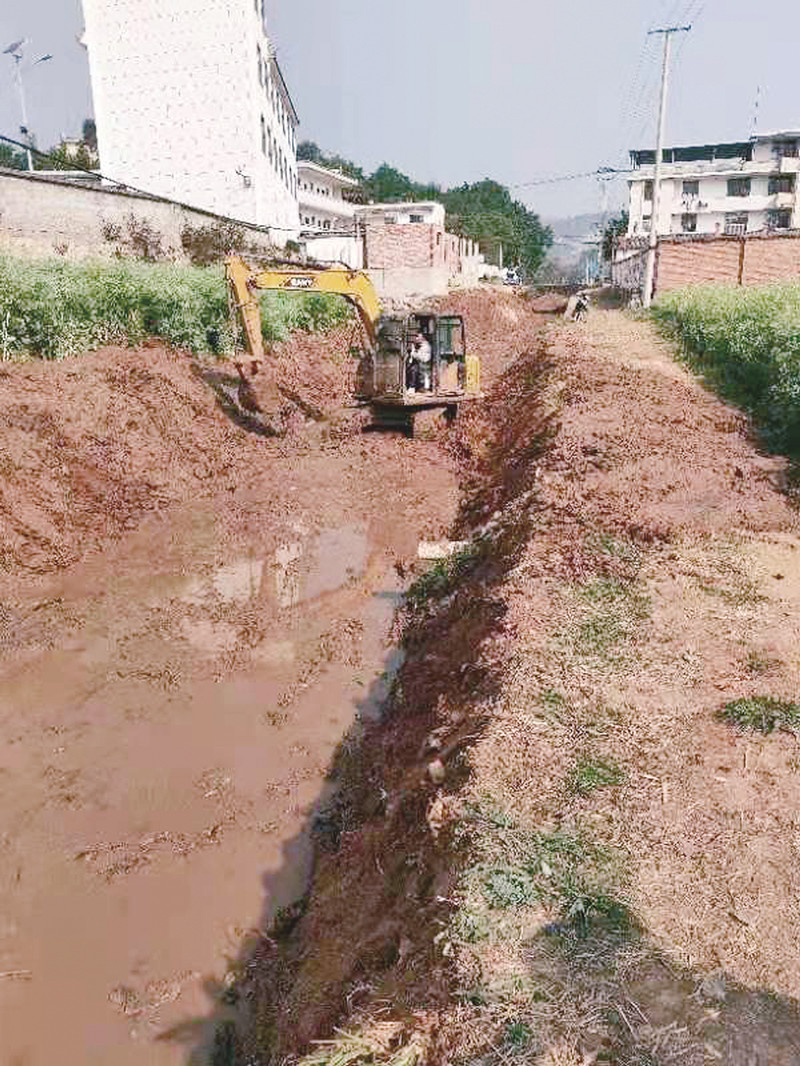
[192,618]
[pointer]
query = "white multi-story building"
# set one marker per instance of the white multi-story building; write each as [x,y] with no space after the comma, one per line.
[190,104]
[736,188]
[321,193]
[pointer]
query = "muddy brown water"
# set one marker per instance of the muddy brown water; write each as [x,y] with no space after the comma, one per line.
[169,708]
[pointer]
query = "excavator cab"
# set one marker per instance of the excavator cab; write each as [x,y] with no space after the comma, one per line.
[454,374]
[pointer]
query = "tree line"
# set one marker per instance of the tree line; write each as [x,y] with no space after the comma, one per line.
[63,156]
[483,211]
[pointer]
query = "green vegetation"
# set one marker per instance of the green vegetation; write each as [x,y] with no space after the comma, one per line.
[615,227]
[578,879]
[618,608]
[483,211]
[54,308]
[443,577]
[589,775]
[747,343]
[762,714]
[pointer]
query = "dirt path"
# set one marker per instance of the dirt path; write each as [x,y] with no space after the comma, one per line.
[600,867]
[191,620]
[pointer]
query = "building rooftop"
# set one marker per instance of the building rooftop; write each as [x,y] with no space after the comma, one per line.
[404,205]
[694,153]
[326,172]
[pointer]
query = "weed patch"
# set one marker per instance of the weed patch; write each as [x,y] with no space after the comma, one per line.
[746,341]
[762,714]
[576,878]
[51,309]
[587,776]
[443,577]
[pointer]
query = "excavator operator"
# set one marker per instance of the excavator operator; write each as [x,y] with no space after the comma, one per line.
[418,373]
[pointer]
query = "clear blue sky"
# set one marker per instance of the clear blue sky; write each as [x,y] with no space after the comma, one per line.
[457,90]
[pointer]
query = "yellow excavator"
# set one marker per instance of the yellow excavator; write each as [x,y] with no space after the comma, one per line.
[409,363]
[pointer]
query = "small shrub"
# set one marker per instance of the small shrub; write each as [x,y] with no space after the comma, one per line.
[762,714]
[442,578]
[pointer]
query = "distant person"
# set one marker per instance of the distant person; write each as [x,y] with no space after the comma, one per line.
[581,307]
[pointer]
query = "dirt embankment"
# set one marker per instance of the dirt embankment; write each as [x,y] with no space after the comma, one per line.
[555,848]
[94,443]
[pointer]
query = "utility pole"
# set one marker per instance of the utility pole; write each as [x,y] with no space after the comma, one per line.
[16,51]
[23,110]
[650,263]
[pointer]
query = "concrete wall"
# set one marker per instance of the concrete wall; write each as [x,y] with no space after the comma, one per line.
[43,216]
[336,248]
[190,106]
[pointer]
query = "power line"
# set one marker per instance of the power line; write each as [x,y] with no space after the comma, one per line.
[599,172]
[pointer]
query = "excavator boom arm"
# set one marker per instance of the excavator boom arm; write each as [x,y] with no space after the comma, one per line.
[244,284]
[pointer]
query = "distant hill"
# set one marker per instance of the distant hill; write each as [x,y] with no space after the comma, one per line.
[574,226]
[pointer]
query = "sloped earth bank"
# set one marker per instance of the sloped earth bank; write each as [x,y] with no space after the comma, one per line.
[553,849]
[192,616]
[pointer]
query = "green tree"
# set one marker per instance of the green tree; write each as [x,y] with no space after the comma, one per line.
[615,227]
[486,212]
[63,158]
[12,158]
[89,134]
[309,152]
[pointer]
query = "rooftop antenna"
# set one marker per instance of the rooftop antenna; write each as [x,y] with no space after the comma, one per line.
[754,130]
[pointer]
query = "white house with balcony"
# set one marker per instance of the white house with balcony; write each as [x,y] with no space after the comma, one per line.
[732,188]
[191,105]
[323,199]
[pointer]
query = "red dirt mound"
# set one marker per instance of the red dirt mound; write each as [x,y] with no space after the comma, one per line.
[90,444]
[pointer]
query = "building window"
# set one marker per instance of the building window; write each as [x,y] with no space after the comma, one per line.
[648,190]
[390,220]
[781,183]
[646,220]
[735,223]
[779,219]
[691,188]
[738,186]
[689,223]
[416,218]
[785,149]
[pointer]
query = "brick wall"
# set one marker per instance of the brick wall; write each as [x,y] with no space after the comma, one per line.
[395,245]
[693,262]
[753,260]
[769,259]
